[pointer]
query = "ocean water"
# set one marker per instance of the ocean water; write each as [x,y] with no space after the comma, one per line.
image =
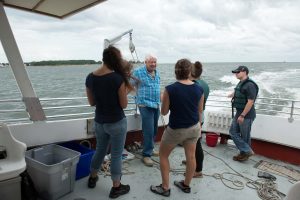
[275,80]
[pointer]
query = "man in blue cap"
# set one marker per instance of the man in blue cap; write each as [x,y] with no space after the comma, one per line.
[243,99]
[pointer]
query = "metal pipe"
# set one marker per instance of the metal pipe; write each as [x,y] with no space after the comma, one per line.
[10,101]
[8,111]
[291,119]
[13,55]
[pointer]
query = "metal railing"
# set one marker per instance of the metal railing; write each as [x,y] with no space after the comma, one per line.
[268,106]
[14,111]
[54,108]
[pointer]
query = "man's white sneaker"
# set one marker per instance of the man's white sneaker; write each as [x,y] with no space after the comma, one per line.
[148,161]
[155,153]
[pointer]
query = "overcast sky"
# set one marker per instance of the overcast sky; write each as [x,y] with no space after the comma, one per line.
[205,30]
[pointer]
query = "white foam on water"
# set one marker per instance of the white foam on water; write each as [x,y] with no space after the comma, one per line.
[271,82]
[220,95]
[295,92]
[229,79]
[283,84]
[267,81]
[224,92]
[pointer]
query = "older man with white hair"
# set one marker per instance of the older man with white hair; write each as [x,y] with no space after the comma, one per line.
[148,100]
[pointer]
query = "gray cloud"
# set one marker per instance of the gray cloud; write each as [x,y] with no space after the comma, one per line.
[206,30]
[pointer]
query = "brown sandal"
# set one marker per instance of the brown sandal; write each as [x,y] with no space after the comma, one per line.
[184,188]
[160,190]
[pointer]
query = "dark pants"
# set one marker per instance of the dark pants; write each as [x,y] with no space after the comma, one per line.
[199,156]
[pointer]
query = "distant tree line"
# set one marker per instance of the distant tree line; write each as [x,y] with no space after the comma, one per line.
[63,62]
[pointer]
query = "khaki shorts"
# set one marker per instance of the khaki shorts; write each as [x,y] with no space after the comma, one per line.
[181,135]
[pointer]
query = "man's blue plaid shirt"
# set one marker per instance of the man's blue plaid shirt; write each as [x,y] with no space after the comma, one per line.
[148,91]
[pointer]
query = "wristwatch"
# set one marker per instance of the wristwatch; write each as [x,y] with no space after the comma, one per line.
[242,116]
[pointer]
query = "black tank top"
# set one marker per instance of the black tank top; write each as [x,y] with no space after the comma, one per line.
[184,104]
[105,90]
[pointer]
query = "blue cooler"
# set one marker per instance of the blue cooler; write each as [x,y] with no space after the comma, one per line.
[83,166]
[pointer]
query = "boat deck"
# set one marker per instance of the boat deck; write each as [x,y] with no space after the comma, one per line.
[218,160]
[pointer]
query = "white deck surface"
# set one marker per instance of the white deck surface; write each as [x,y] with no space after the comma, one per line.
[207,188]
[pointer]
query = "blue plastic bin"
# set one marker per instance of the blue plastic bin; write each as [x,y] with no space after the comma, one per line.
[83,166]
